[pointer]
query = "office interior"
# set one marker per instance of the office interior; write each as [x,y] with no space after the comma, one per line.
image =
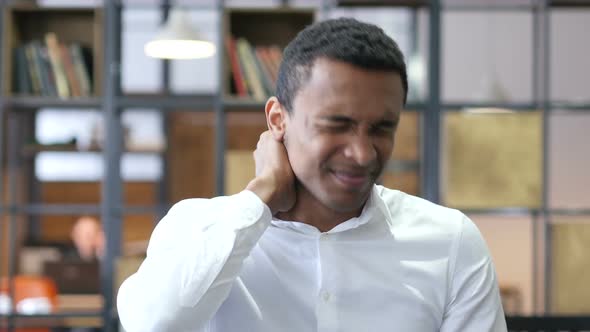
[496,125]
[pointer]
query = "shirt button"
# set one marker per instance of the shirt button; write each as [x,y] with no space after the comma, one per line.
[325,296]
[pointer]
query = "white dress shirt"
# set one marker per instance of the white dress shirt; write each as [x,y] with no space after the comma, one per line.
[224,265]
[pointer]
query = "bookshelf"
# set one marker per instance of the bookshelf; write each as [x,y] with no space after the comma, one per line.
[74,27]
[255,52]
[46,37]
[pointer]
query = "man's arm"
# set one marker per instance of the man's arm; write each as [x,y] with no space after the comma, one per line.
[474,299]
[194,256]
[196,252]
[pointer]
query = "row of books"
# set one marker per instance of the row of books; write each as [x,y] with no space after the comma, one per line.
[254,70]
[50,68]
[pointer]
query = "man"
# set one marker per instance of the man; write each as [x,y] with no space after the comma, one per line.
[312,244]
[88,238]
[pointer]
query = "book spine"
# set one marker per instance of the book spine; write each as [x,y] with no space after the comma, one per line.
[59,75]
[250,69]
[237,73]
[80,69]
[68,66]
[45,78]
[263,74]
[22,78]
[33,69]
[267,65]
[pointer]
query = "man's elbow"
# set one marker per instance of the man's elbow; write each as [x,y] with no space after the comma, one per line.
[138,312]
[131,308]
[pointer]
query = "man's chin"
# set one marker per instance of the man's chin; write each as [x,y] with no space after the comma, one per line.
[349,203]
[336,198]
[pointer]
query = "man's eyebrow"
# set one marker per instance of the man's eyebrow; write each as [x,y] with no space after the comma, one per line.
[345,119]
[336,118]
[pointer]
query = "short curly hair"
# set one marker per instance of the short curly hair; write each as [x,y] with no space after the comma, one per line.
[345,39]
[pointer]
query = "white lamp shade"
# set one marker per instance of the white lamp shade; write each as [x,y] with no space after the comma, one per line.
[178,40]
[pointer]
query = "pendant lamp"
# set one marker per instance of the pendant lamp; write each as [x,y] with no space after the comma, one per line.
[178,39]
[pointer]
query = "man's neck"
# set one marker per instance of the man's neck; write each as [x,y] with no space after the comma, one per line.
[309,210]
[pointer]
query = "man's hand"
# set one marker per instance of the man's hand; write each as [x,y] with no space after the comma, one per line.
[274,182]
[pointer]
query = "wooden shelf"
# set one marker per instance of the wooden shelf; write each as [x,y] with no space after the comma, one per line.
[246,103]
[33,149]
[36,102]
[57,209]
[205,102]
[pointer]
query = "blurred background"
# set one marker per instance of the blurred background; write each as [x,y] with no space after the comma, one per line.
[104,126]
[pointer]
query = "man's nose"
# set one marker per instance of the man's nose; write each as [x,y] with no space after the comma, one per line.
[361,149]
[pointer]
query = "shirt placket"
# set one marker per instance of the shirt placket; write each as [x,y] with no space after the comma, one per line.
[326,297]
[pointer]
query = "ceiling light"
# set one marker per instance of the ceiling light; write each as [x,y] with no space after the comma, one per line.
[178,39]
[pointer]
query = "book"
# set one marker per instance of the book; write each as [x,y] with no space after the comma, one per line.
[251,69]
[267,63]
[68,66]
[50,68]
[22,78]
[41,60]
[88,61]
[236,70]
[265,77]
[82,73]
[56,65]
[33,70]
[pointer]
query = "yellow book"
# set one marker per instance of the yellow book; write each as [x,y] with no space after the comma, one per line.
[61,81]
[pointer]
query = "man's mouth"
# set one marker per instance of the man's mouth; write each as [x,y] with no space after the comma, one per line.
[352,179]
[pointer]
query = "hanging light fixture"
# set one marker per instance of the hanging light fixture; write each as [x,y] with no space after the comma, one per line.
[178,39]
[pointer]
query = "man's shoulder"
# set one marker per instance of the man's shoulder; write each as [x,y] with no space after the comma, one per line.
[407,210]
[188,204]
[402,202]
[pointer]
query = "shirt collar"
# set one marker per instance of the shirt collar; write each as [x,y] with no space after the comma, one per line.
[374,208]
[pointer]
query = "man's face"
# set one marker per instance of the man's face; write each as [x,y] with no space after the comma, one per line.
[341,131]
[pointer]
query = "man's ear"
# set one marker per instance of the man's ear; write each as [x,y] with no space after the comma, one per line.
[276,116]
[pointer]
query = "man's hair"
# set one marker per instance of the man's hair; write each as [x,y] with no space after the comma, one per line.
[345,39]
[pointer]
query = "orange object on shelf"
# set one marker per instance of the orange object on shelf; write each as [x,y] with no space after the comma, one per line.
[29,287]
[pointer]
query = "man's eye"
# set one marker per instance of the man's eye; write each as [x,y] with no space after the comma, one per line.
[384,129]
[337,129]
